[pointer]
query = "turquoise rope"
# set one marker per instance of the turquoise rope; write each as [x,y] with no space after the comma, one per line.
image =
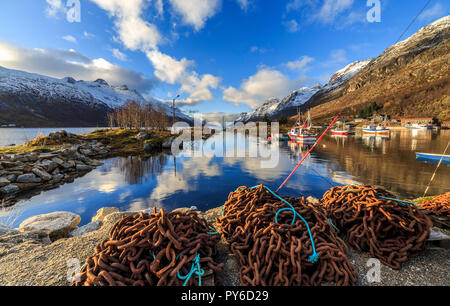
[213,233]
[315,256]
[195,268]
[331,222]
[397,200]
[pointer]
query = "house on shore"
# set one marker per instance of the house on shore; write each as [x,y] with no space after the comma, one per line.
[424,120]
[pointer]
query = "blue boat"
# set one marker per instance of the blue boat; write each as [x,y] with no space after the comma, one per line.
[434,158]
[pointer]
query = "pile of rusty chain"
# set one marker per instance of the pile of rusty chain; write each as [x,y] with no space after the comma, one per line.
[278,254]
[439,206]
[373,220]
[158,249]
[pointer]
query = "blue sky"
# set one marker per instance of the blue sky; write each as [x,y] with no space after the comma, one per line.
[220,55]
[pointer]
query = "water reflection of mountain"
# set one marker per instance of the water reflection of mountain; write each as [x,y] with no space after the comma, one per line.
[136,168]
[390,162]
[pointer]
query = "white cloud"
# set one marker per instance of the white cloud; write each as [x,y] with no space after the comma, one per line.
[338,56]
[300,64]
[326,11]
[332,8]
[54,7]
[70,39]
[172,71]
[137,34]
[59,63]
[438,10]
[254,91]
[119,55]
[196,12]
[291,25]
[256,49]
[88,35]
[134,32]
[244,4]
[168,69]
[159,7]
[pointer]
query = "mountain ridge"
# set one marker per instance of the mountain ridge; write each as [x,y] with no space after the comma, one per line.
[30,99]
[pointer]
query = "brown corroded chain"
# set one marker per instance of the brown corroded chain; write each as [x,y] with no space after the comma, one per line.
[439,206]
[150,250]
[274,254]
[389,230]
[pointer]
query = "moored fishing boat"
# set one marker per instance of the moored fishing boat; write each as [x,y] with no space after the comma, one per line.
[433,157]
[376,130]
[302,131]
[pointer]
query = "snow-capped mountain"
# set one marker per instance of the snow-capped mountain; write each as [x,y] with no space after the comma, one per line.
[274,108]
[50,101]
[409,79]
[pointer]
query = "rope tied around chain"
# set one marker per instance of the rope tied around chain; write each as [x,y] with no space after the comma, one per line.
[195,269]
[315,256]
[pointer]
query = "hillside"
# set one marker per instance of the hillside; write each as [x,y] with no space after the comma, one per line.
[408,79]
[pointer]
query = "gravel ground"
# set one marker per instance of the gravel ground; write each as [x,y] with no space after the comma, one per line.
[31,260]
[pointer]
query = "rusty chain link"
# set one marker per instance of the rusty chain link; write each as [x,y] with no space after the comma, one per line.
[390,230]
[272,254]
[152,250]
[439,206]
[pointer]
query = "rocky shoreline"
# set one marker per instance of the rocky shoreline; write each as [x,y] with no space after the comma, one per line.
[31,256]
[49,162]
[26,172]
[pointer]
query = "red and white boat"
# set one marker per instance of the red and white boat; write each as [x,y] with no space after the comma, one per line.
[339,132]
[302,131]
[342,131]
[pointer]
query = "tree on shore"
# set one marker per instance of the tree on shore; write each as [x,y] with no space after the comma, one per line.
[138,115]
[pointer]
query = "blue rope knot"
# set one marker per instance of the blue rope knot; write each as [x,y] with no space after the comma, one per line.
[315,256]
[195,269]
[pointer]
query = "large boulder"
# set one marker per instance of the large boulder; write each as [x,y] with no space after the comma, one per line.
[28,178]
[103,212]
[57,225]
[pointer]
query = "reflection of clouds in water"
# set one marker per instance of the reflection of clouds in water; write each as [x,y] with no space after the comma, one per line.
[168,183]
[343,178]
[142,204]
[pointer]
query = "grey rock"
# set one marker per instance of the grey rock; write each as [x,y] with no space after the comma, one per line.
[93,226]
[58,177]
[86,152]
[83,168]
[58,161]
[69,164]
[12,178]
[9,189]
[28,178]
[4,182]
[57,224]
[49,165]
[42,174]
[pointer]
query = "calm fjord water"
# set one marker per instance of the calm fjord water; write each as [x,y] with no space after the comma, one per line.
[136,183]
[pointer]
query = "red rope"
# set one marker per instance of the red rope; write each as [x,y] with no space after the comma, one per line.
[307,154]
